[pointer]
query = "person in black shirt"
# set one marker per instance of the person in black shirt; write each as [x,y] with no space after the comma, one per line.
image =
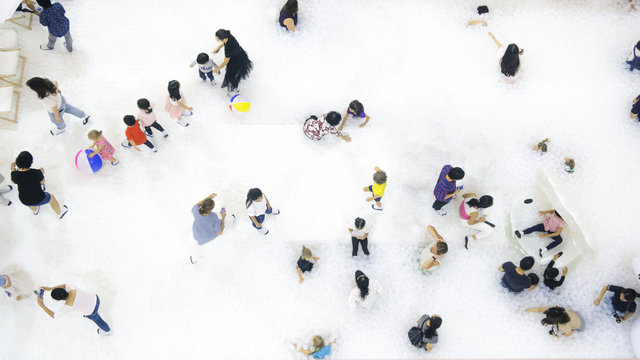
[30,186]
[235,59]
[551,273]
[623,301]
[305,262]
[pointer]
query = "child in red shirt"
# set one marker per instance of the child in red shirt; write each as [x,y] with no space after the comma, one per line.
[135,136]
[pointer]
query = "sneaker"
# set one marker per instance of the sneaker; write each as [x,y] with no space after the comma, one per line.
[155,150]
[37,211]
[10,187]
[374,207]
[149,134]
[441,212]
[183,122]
[466,242]
[9,204]
[540,252]
[64,211]
[56,131]
[44,47]
[192,260]
[65,45]
[213,83]
[115,162]
[85,120]
[518,234]
[105,333]
[187,113]
[165,134]
[125,144]
[266,232]
[276,213]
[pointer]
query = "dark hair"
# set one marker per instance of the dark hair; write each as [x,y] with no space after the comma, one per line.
[434,324]
[557,214]
[551,273]
[555,316]
[59,294]
[253,195]
[130,120]
[174,90]
[456,173]
[42,87]
[24,160]
[360,223]
[484,202]
[510,61]
[442,247]
[202,58]
[223,34]
[144,104]
[357,107]
[527,263]
[638,45]
[44,3]
[534,279]
[207,206]
[629,295]
[483,9]
[291,7]
[363,284]
[333,118]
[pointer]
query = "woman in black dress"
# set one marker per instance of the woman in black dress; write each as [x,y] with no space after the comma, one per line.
[235,59]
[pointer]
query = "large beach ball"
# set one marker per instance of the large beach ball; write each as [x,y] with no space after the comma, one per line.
[88,164]
[239,104]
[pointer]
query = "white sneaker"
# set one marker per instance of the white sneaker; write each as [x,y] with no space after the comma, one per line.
[213,82]
[37,211]
[115,162]
[125,144]
[263,230]
[374,207]
[183,122]
[56,131]
[165,134]
[441,212]
[104,333]
[155,150]
[187,113]
[64,211]
[44,47]
[85,120]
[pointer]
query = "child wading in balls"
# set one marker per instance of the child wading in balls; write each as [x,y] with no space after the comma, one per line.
[205,69]
[135,136]
[377,189]
[148,119]
[103,147]
[176,104]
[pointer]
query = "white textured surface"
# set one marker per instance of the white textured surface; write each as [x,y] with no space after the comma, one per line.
[435,95]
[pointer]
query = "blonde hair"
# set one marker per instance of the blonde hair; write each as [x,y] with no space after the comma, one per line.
[306,253]
[380,177]
[318,342]
[94,134]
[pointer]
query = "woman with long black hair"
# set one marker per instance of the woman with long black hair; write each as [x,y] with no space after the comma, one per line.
[365,292]
[509,60]
[235,59]
[563,322]
[472,215]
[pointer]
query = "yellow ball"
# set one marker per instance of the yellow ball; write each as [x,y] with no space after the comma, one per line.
[239,104]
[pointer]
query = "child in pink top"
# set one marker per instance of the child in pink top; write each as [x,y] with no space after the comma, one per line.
[176,104]
[552,226]
[103,147]
[147,118]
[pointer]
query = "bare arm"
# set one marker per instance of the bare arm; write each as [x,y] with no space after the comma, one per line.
[224,215]
[538,309]
[552,234]
[301,279]
[255,221]
[182,105]
[46,309]
[449,196]
[208,197]
[468,195]
[224,63]
[290,24]
[495,40]
[366,120]
[56,113]
[602,292]
[344,120]
[474,219]
[476,22]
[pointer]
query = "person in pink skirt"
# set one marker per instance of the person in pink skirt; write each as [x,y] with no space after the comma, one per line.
[176,104]
[103,147]
[147,118]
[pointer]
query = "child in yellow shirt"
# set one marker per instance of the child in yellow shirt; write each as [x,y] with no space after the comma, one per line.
[377,189]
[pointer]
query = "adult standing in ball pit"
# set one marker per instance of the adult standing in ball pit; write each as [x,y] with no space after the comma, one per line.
[235,59]
[30,183]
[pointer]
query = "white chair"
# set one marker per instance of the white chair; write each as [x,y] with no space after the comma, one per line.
[6,103]
[11,68]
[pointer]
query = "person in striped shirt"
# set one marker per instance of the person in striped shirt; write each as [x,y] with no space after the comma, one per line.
[446,188]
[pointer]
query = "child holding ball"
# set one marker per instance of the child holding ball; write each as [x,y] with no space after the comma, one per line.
[206,67]
[103,147]
[176,105]
[377,188]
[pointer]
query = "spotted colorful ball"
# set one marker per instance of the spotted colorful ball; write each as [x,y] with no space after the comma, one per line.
[86,163]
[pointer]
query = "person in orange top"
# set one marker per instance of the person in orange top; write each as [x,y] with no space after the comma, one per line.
[134,134]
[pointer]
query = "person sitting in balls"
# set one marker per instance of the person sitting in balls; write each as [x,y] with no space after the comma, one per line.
[316,128]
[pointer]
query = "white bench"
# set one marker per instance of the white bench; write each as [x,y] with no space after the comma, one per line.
[11,62]
[8,111]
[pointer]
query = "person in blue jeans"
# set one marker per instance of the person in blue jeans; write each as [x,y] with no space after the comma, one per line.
[258,206]
[69,298]
[52,16]
[55,104]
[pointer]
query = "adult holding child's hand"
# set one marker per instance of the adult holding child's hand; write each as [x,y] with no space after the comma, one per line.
[236,61]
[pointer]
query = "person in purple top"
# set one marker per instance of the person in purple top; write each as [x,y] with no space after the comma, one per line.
[52,16]
[446,187]
[289,15]
[356,110]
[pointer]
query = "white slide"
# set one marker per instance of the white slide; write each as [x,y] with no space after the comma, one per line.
[549,193]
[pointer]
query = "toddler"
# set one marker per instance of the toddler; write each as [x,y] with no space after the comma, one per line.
[103,147]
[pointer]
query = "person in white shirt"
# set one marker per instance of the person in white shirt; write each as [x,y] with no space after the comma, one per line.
[359,237]
[55,103]
[66,298]
[257,207]
[365,293]
[206,66]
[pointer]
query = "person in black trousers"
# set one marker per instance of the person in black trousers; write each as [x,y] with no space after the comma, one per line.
[359,236]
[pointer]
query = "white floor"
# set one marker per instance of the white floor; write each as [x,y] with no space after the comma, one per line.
[435,96]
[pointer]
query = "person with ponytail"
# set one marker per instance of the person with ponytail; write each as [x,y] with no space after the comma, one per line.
[289,15]
[359,237]
[623,301]
[434,251]
[55,103]
[236,61]
[472,215]
[176,104]
[258,206]
[563,322]
[208,222]
[305,262]
[147,118]
[356,111]
[509,60]
[551,227]
[365,293]
[425,335]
